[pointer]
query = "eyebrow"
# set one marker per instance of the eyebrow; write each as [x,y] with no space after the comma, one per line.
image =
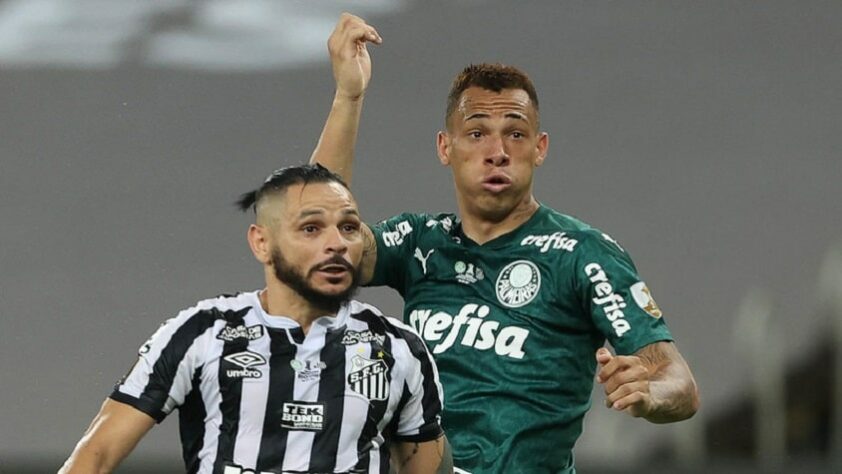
[317,212]
[482,115]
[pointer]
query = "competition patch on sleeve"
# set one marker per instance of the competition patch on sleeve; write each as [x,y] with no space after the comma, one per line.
[643,298]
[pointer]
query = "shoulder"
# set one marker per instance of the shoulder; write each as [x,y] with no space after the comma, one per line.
[389,327]
[204,314]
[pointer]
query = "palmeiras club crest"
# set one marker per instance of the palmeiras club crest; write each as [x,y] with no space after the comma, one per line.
[368,378]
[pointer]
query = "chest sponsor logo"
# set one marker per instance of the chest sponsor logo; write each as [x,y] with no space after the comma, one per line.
[518,284]
[307,370]
[303,416]
[441,331]
[423,258]
[246,361]
[468,273]
[554,241]
[248,333]
[611,302]
[395,237]
[643,298]
[355,337]
[368,378]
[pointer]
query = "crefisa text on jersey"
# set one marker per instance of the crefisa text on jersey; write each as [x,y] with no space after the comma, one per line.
[480,333]
[556,240]
[610,302]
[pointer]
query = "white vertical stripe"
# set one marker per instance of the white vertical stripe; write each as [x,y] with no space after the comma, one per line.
[211,397]
[300,443]
[254,396]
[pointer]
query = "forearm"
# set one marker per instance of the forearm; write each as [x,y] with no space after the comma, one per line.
[88,459]
[673,391]
[335,149]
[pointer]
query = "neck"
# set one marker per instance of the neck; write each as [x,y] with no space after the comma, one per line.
[280,300]
[482,225]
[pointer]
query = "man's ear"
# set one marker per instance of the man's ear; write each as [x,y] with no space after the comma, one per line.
[260,244]
[443,148]
[543,145]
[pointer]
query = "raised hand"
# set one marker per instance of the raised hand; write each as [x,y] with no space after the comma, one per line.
[349,56]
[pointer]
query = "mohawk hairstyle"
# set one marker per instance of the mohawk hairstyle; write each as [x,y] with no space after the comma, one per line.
[493,77]
[283,178]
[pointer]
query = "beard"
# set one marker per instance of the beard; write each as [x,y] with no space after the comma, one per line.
[300,283]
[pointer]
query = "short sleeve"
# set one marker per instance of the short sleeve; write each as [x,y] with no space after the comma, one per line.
[419,415]
[615,297]
[396,239]
[162,377]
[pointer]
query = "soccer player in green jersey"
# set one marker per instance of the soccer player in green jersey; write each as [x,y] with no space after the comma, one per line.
[514,299]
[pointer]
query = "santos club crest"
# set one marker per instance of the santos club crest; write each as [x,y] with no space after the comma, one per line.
[518,283]
[368,378]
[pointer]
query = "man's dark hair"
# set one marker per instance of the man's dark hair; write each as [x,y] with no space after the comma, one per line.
[493,77]
[283,178]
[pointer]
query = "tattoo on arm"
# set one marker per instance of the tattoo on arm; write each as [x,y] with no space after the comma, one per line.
[671,384]
[446,464]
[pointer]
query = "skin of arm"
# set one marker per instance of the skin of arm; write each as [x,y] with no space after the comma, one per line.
[655,383]
[352,72]
[112,435]
[429,457]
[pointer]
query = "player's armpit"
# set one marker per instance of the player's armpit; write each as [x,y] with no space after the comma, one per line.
[673,389]
[369,255]
[428,457]
[112,435]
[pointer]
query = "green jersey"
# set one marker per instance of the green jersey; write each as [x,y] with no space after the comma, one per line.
[514,325]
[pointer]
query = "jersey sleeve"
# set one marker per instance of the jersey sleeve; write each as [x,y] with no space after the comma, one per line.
[419,416]
[615,297]
[396,239]
[162,377]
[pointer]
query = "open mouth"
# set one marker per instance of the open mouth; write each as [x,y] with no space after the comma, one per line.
[496,183]
[334,269]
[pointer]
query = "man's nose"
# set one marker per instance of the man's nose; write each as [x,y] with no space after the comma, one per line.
[336,242]
[497,154]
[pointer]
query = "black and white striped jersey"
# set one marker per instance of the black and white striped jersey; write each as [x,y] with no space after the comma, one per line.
[255,395]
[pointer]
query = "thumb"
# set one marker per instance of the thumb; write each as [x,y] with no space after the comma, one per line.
[603,356]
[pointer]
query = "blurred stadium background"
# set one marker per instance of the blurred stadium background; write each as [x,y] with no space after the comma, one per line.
[704,136]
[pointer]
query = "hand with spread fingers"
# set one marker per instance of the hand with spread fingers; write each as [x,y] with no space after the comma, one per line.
[349,56]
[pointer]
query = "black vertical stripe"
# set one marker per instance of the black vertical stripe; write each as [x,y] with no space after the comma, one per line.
[191,422]
[391,429]
[430,400]
[231,391]
[166,367]
[281,384]
[332,394]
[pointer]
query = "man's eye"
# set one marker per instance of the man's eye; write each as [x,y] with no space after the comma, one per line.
[350,228]
[476,134]
[517,135]
[309,229]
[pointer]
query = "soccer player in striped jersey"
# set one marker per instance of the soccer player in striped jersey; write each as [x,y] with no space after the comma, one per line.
[514,299]
[294,378]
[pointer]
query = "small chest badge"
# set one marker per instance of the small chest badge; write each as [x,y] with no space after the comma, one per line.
[368,378]
[518,283]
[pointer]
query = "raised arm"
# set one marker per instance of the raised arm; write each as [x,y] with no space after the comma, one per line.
[429,457]
[655,383]
[352,72]
[112,435]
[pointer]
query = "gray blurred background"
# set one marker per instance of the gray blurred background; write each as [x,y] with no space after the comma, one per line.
[704,136]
